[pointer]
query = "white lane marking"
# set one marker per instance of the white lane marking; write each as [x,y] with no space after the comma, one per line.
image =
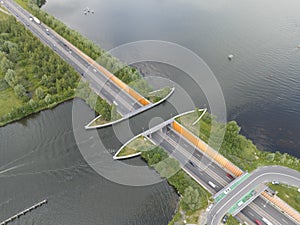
[249,185]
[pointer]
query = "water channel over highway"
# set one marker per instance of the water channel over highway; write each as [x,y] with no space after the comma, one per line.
[261,86]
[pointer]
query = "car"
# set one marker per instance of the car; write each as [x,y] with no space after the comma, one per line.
[227,190]
[225,218]
[209,207]
[275,182]
[212,184]
[229,176]
[258,222]
[193,164]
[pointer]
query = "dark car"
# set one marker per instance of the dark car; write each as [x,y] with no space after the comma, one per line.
[193,164]
[225,218]
[229,176]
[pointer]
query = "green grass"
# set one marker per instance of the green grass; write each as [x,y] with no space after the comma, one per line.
[189,217]
[235,147]
[232,221]
[158,95]
[2,14]
[8,100]
[289,194]
[137,145]
[23,4]
[99,121]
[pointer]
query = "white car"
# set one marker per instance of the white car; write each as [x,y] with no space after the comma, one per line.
[275,182]
[209,207]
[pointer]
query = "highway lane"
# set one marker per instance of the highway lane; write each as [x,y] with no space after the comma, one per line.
[207,164]
[126,103]
[259,176]
[176,145]
[184,152]
[66,45]
[79,66]
[261,208]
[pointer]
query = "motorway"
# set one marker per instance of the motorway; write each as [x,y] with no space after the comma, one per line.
[259,176]
[203,170]
[99,82]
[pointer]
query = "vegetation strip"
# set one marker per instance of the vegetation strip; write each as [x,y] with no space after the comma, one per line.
[34,78]
[194,198]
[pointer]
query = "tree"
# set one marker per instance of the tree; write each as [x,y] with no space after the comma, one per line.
[48,99]
[20,90]
[44,80]
[192,198]
[40,94]
[10,77]
[32,104]
[5,64]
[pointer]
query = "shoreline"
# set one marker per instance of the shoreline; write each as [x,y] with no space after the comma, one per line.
[24,109]
[262,155]
[49,107]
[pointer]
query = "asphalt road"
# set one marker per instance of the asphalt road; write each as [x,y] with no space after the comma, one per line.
[259,176]
[260,208]
[98,81]
[192,160]
[203,170]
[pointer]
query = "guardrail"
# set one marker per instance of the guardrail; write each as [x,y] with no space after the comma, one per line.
[10,219]
[205,148]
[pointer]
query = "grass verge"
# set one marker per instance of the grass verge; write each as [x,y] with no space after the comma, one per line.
[289,194]
[139,144]
[235,147]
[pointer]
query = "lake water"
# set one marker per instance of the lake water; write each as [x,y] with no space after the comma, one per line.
[261,86]
[40,160]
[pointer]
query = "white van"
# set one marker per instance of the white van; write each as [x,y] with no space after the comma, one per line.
[240,203]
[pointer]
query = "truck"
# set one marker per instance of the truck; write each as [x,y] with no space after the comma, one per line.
[36,20]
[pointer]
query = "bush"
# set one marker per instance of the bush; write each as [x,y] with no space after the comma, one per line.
[179,179]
